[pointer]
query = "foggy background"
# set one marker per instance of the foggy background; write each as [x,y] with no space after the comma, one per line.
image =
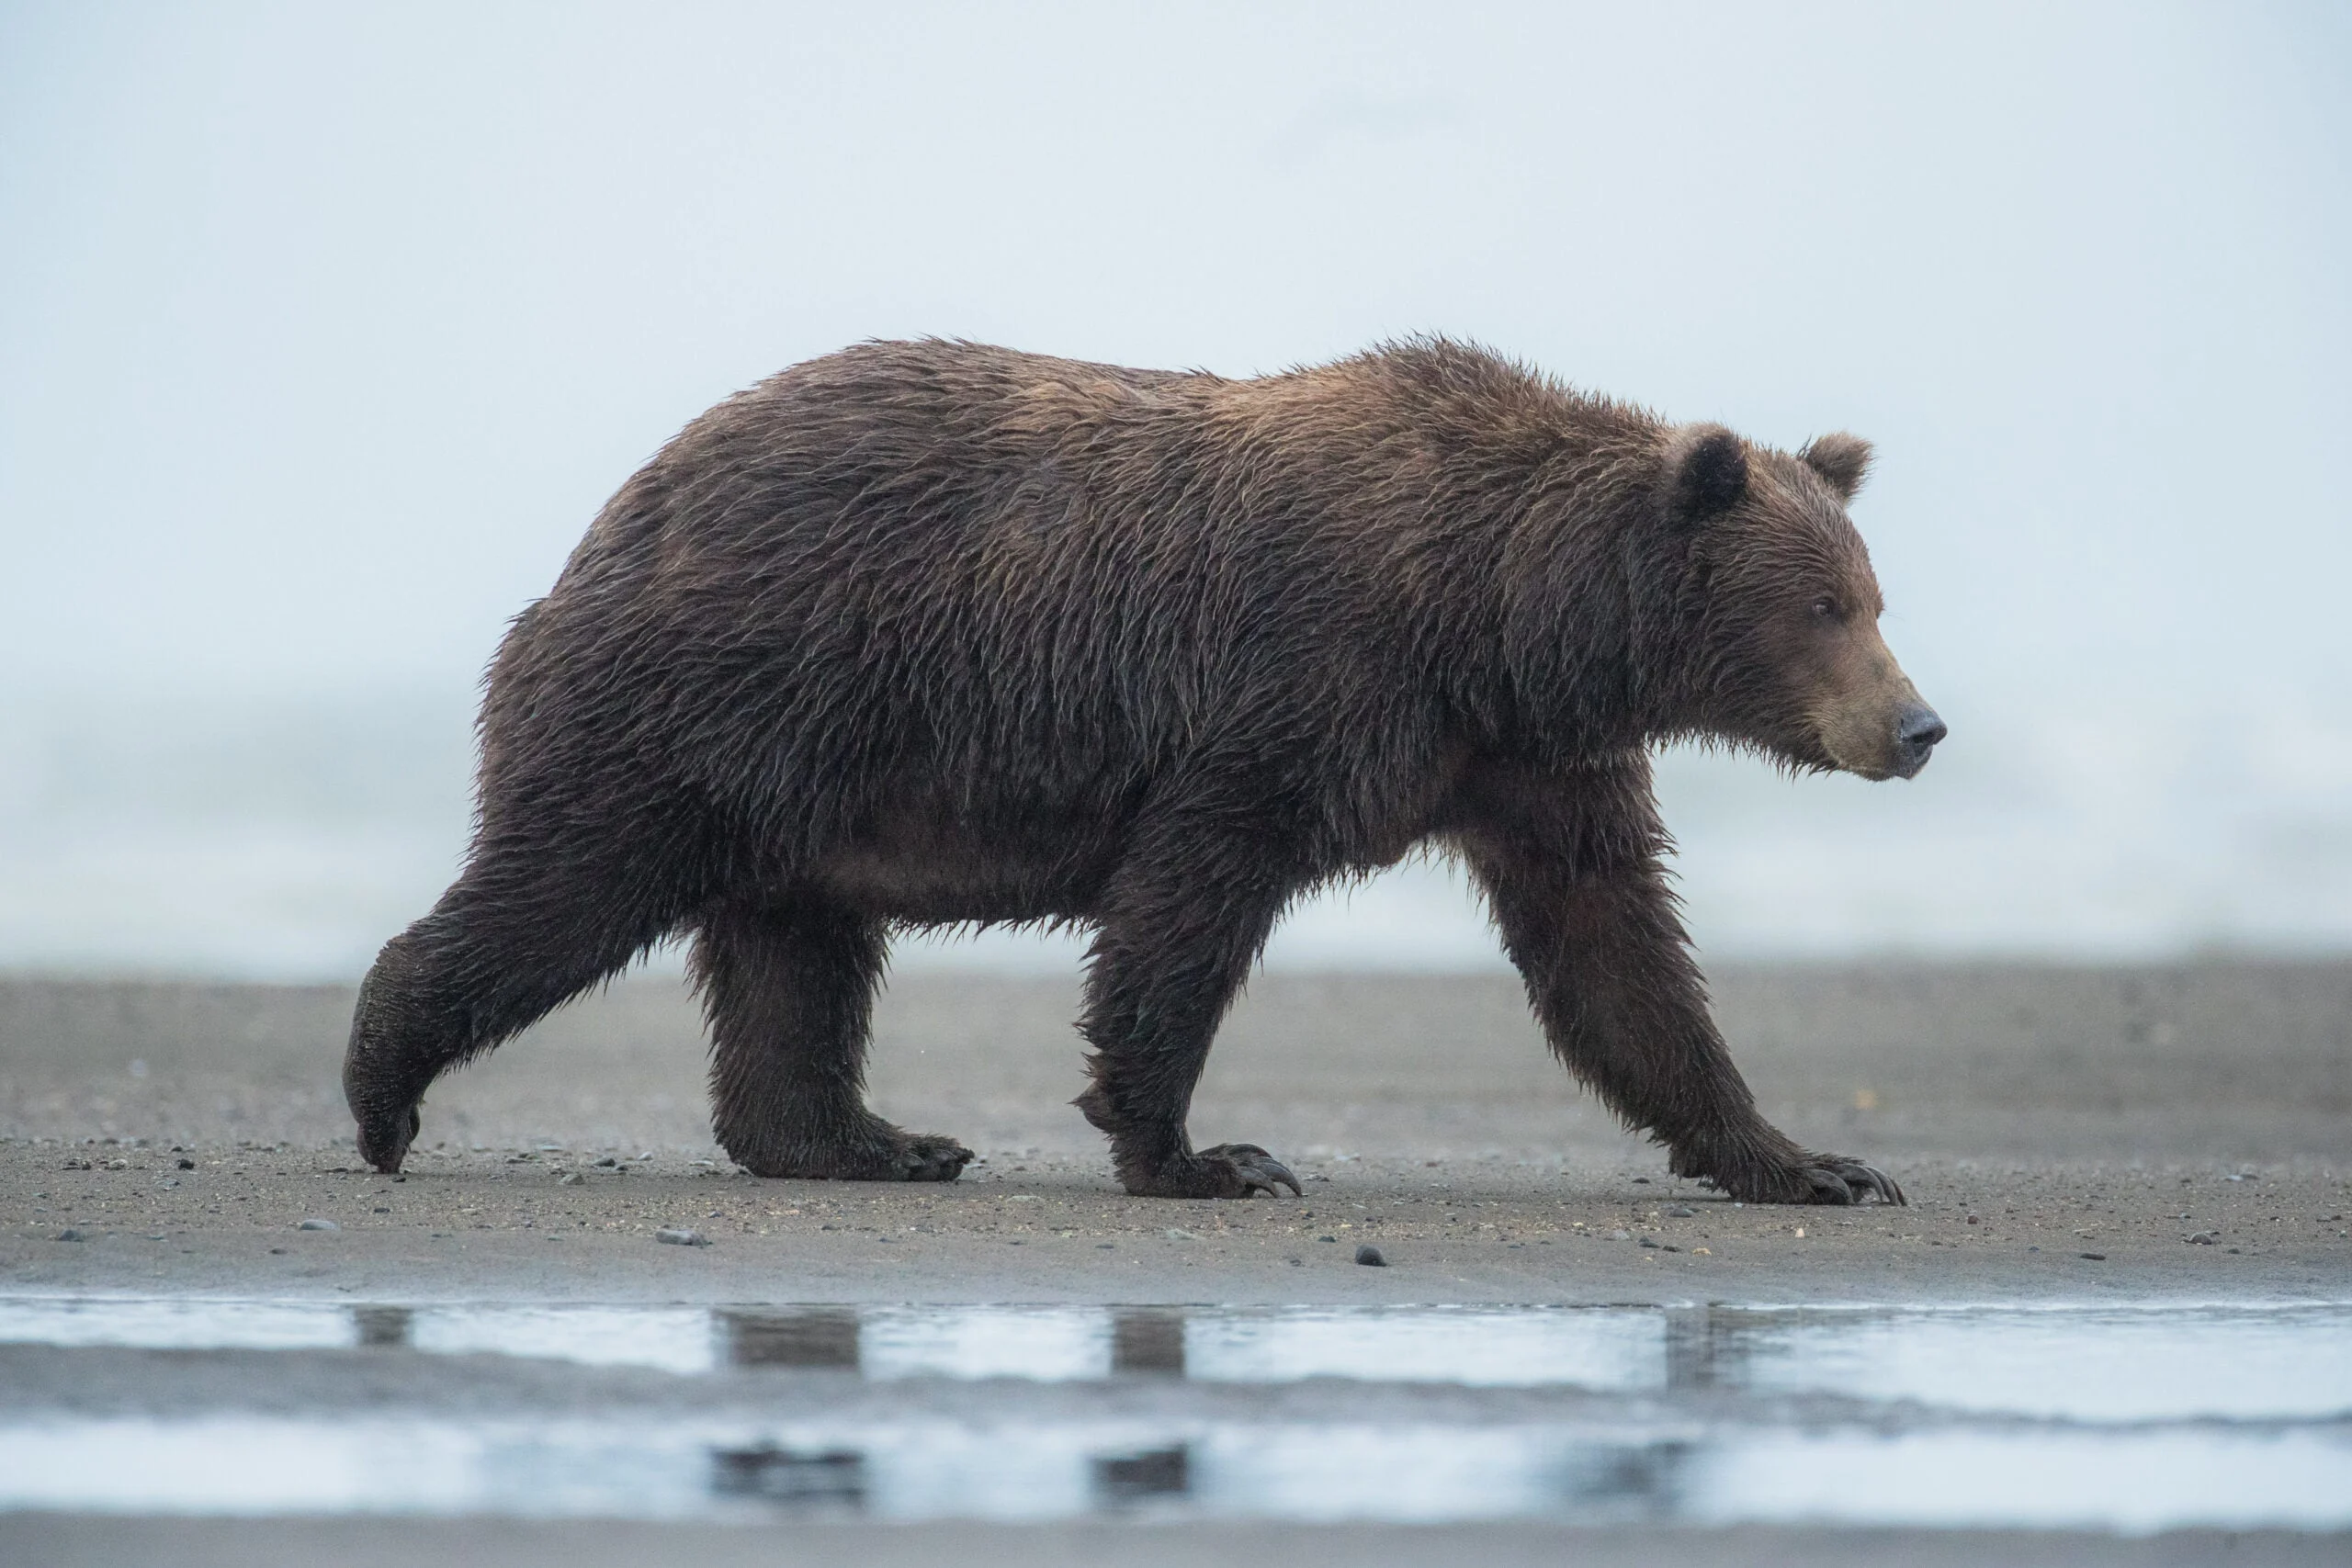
[325,329]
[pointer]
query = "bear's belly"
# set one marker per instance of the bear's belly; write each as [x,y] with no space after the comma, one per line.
[939,872]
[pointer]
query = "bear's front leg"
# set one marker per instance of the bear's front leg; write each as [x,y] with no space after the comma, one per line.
[1572,865]
[1179,927]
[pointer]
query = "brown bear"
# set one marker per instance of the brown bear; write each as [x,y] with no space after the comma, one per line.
[934,633]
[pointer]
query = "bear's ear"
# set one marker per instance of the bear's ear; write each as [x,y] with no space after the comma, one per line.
[1709,471]
[1840,459]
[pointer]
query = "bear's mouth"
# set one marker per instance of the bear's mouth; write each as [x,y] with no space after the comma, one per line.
[1896,747]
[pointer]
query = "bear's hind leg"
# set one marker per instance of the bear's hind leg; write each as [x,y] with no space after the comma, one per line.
[789,994]
[516,936]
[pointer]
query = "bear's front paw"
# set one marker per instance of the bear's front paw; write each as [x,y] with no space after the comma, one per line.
[1830,1178]
[1229,1170]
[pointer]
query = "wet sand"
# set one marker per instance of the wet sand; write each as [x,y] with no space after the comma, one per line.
[2034,1116]
[2180,1134]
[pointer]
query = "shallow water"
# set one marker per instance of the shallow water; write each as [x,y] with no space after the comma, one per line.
[2124,1418]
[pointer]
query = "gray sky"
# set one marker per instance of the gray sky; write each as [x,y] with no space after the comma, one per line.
[324,329]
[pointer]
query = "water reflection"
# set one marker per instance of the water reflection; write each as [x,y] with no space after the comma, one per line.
[832,1478]
[1152,1475]
[666,1467]
[2099,1364]
[383,1328]
[806,1337]
[1626,1480]
[1147,1342]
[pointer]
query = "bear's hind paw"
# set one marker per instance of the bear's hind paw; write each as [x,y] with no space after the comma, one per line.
[930,1156]
[1834,1179]
[386,1146]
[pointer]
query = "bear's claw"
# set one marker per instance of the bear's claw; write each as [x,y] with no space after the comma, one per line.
[1229,1170]
[1834,1179]
[1256,1170]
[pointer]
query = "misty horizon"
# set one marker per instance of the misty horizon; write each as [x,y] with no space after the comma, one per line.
[324,333]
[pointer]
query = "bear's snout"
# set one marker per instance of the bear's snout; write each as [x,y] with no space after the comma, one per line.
[1917,731]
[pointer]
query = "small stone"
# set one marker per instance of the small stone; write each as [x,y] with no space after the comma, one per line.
[1640,1181]
[71,1234]
[1649,1241]
[1327,1238]
[187,1165]
[1173,1234]
[2202,1238]
[1369,1255]
[607,1162]
[571,1179]
[679,1236]
[1621,1236]
[381,1209]
[2094,1256]
[315,1225]
[278,1252]
[167,1181]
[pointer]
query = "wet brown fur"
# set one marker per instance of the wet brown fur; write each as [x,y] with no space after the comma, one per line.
[933,632]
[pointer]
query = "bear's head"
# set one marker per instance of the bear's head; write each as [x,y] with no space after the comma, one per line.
[1780,608]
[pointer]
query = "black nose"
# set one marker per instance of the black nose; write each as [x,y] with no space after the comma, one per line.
[1917,731]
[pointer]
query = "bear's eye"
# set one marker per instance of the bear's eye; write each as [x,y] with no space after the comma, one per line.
[1826,609]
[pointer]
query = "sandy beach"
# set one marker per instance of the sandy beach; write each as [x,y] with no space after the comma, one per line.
[2068,1136]
[2034,1116]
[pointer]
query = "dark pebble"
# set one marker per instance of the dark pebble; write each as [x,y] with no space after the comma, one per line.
[318,1226]
[69,1233]
[187,1165]
[1370,1258]
[679,1236]
[1681,1211]
[1649,1241]
[2094,1256]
